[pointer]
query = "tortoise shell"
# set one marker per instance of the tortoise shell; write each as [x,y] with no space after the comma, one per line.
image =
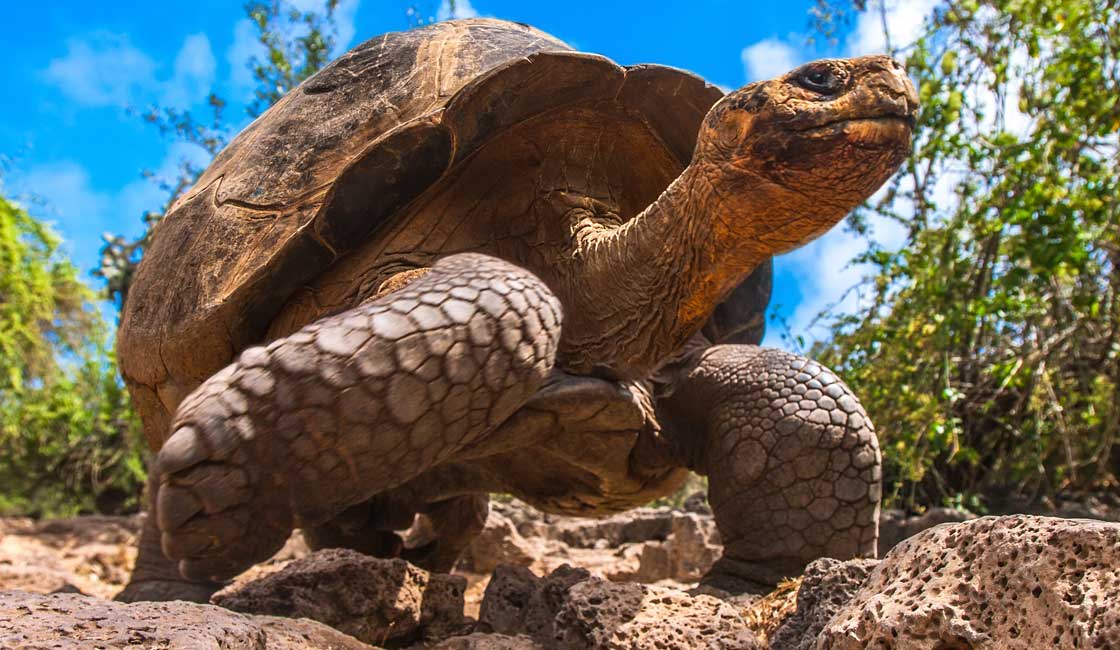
[339,162]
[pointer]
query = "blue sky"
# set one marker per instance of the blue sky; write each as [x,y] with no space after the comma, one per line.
[75,154]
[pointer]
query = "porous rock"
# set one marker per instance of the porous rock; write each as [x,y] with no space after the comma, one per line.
[625,616]
[997,583]
[499,543]
[570,610]
[897,525]
[638,525]
[519,602]
[91,555]
[826,586]
[694,546]
[478,641]
[71,621]
[371,599]
[689,550]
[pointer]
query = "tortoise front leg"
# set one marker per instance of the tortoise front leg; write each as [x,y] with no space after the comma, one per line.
[791,457]
[348,407]
[155,576]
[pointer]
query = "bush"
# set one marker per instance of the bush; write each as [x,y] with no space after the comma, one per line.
[69,442]
[989,354]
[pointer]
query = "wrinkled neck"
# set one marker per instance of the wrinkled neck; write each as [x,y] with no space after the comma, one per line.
[648,285]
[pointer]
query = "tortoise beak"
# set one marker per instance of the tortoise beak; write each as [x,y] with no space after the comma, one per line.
[896,93]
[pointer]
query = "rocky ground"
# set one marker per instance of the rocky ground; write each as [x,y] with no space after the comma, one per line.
[533,581]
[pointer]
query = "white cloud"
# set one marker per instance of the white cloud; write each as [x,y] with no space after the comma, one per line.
[193,72]
[102,69]
[768,59]
[462,9]
[993,106]
[904,20]
[105,69]
[344,17]
[63,193]
[828,279]
[243,48]
[65,189]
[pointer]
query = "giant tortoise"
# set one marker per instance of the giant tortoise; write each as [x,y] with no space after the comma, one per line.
[465,259]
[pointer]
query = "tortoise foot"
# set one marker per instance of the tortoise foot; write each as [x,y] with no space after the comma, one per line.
[791,457]
[737,578]
[214,521]
[164,590]
[347,408]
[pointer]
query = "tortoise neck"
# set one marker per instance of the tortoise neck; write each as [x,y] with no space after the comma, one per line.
[654,280]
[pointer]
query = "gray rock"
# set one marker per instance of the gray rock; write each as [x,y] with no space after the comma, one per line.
[999,583]
[688,551]
[638,525]
[569,610]
[519,602]
[69,621]
[826,587]
[371,599]
[896,525]
[499,543]
[478,641]
[627,616]
[697,502]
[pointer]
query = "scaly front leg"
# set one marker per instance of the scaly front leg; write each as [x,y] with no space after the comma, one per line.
[791,458]
[348,407]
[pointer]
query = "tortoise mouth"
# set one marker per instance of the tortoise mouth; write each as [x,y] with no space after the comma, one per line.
[910,120]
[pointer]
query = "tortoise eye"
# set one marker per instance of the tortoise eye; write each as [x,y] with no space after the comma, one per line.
[819,80]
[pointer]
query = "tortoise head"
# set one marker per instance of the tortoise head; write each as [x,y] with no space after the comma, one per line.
[818,141]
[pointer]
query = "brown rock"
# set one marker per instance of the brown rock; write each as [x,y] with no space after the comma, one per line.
[638,525]
[998,583]
[654,563]
[826,587]
[499,543]
[628,616]
[896,525]
[36,579]
[694,546]
[569,610]
[91,555]
[479,641]
[65,621]
[518,602]
[688,551]
[372,599]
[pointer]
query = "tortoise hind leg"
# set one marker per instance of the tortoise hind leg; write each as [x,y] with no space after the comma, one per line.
[452,525]
[348,407]
[434,541]
[792,461]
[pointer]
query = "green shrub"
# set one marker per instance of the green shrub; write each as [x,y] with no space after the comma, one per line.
[989,356]
[69,442]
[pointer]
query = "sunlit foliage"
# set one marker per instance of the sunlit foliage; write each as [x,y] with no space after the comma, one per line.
[68,438]
[988,352]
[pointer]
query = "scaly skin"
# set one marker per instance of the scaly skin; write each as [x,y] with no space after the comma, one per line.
[349,407]
[154,576]
[356,404]
[454,523]
[791,457]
